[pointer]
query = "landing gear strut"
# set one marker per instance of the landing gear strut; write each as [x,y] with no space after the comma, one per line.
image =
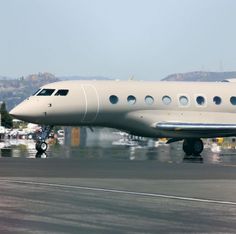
[193,146]
[41,146]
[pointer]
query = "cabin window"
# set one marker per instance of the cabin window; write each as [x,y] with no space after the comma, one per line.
[183,100]
[217,100]
[113,99]
[46,92]
[36,92]
[62,92]
[166,100]
[149,100]
[200,100]
[131,99]
[233,100]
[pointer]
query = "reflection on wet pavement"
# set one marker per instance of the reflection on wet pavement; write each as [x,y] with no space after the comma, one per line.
[104,150]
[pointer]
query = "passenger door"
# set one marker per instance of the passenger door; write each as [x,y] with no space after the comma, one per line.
[92,103]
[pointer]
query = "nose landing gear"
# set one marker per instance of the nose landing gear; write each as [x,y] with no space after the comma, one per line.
[41,146]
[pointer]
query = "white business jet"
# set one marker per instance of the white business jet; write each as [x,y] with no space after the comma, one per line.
[185,111]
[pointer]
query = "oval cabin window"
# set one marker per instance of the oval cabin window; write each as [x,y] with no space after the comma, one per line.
[233,100]
[217,100]
[113,99]
[200,100]
[166,100]
[131,99]
[183,100]
[149,100]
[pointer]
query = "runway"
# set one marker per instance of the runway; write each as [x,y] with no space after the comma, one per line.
[57,195]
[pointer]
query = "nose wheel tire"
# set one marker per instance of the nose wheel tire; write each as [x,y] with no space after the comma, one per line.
[41,146]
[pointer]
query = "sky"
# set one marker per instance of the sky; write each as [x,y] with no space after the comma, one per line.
[119,39]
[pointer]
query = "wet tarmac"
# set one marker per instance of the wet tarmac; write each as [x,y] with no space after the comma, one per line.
[171,153]
[116,189]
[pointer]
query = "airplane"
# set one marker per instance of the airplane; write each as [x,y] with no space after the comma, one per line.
[187,111]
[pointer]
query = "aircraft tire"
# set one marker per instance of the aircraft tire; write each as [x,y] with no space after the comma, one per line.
[41,146]
[197,147]
[187,147]
[193,147]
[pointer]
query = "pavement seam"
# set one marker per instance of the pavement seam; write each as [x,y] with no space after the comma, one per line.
[154,195]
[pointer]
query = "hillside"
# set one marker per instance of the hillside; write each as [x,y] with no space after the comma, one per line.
[83,78]
[200,76]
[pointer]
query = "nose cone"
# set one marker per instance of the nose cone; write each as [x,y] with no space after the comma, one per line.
[25,111]
[30,110]
[17,112]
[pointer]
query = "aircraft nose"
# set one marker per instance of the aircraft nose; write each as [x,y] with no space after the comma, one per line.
[27,111]
[16,113]
[23,111]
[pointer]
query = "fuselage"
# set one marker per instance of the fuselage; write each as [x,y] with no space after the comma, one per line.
[136,107]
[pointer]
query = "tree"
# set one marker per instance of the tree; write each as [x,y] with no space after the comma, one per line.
[6,118]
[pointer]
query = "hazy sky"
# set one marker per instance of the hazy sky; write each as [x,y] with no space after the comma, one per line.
[147,39]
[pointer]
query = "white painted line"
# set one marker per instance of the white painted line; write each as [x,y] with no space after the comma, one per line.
[121,192]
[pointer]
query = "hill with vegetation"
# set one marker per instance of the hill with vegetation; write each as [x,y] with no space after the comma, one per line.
[201,76]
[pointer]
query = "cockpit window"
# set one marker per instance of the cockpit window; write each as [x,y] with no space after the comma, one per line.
[62,92]
[36,92]
[46,92]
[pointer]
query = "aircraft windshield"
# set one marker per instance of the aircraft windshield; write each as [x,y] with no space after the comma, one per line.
[36,92]
[62,92]
[46,92]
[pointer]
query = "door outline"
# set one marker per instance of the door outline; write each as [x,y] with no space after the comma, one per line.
[95,97]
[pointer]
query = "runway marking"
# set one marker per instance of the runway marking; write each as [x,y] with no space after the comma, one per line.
[228,165]
[154,195]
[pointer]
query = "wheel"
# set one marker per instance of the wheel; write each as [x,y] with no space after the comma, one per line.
[41,146]
[197,147]
[187,147]
[193,147]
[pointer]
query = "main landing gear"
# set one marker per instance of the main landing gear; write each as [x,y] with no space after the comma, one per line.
[193,146]
[41,145]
